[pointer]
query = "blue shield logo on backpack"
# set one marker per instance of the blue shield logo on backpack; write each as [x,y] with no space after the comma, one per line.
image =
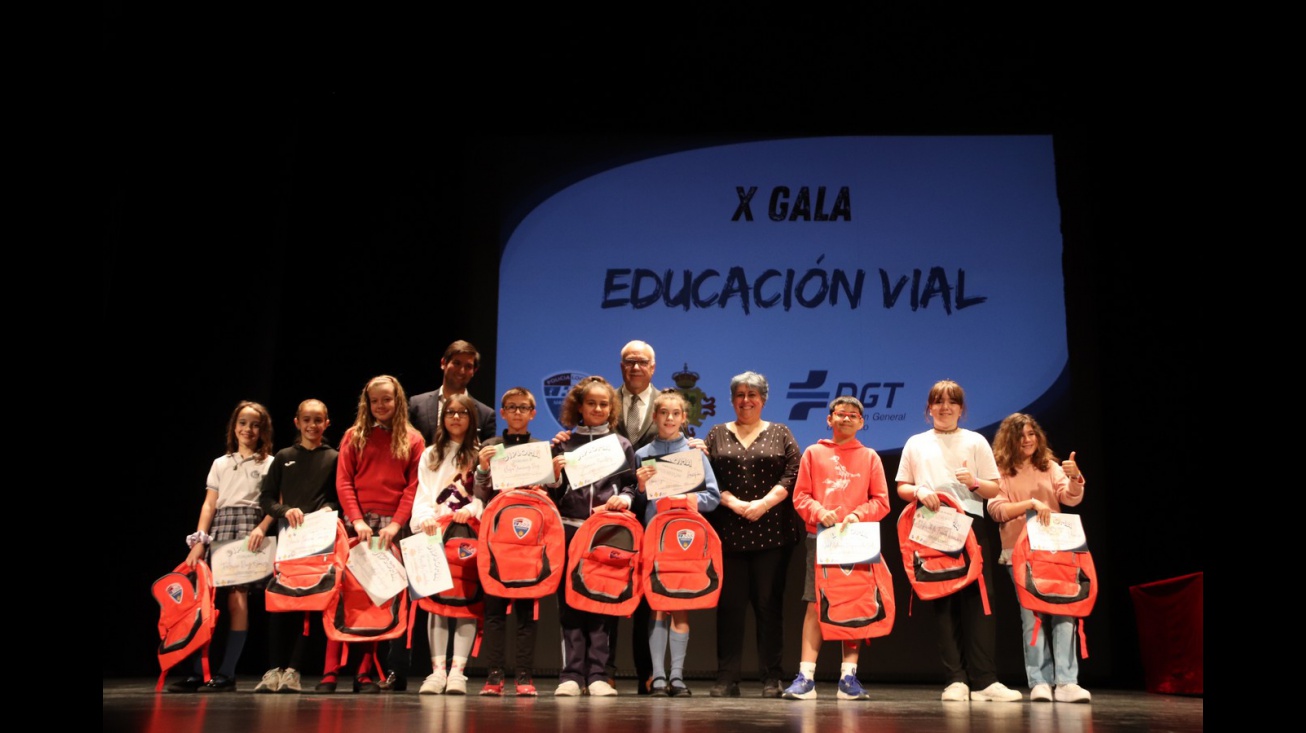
[685,538]
[520,526]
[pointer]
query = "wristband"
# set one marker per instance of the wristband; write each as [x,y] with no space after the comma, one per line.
[198,538]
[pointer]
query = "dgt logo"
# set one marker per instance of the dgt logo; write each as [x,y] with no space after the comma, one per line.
[811,397]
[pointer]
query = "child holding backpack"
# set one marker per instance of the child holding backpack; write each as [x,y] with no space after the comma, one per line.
[840,481]
[376,480]
[231,511]
[944,455]
[445,487]
[518,409]
[671,628]
[1033,479]
[588,409]
[300,480]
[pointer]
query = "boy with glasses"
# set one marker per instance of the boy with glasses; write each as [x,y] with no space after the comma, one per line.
[839,481]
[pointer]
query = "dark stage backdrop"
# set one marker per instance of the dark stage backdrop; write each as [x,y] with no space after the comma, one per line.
[335,237]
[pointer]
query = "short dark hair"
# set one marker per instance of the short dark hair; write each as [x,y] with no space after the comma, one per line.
[462,347]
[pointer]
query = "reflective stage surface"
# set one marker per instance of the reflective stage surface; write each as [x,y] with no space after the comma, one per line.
[132,705]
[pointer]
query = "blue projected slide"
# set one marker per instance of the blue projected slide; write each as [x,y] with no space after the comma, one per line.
[870,266]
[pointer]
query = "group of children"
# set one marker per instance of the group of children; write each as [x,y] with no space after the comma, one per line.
[385,481]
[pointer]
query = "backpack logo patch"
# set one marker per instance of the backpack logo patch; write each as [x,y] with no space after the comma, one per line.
[466,550]
[174,592]
[521,526]
[685,538]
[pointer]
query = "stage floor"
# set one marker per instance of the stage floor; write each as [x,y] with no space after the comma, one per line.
[132,705]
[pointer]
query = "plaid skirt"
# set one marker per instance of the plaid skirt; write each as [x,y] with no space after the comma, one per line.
[377,522]
[235,523]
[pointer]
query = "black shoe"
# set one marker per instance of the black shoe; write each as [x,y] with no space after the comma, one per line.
[366,685]
[725,689]
[679,690]
[394,682]
[656,690]
[328,683]
[771,688]
[189,684]
[219,683]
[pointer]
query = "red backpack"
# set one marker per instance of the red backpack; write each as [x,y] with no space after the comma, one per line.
[187,616]
[466,599]
[1055,583]
[682,557]
[855,601]
[933,573]
[522,546]
[351,616]
[308,583]
[603,565]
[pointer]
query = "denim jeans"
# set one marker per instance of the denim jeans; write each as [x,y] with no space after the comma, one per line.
[1054,657]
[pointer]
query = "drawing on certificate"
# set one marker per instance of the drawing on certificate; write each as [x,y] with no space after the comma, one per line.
[528,464]
[945,530]
[233,564]
[378,571]
[1065,533]
[677,473]
[595,460]
[425,564]
[848,544]
[316,535]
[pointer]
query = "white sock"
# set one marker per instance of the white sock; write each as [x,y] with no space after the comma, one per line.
[848,668]
[807,669]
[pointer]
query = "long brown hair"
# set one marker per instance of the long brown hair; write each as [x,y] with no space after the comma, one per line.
[469,450]
[264,447]
[1006,444]
[399,425]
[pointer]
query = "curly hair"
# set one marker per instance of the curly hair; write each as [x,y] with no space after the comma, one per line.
[571,406]
[1006,444]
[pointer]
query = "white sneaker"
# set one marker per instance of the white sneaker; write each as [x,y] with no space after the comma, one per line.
[1073,693]
[956,692]
[434,683]
[1041,693]
[601,688]
[570,688]
[290,681]
[456,685]
[271,681]
[996,692]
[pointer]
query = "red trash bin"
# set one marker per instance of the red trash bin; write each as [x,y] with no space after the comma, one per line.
[1170,633]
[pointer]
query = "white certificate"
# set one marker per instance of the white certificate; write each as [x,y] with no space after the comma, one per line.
[595,460]
[426,565]
[378,571]
[848,544]
[315,536]
[945,530]
[233,564]
[677,473]
[527,464]
[965,496]
[1064,533]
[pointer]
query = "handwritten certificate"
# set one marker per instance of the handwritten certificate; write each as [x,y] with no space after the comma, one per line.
[965,496]
[853,543]
[528,464]
[233,564]
[426,565]
[677,473]
[595,460]
[315,536]
[1064,534]
[945,530]
[378,571]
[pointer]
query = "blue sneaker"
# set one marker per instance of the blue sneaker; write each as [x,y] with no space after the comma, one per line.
[851,689]
[802,689]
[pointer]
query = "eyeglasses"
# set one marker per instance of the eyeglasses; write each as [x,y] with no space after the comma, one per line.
[849,416]
[455,413]
[518,408]
[632,363]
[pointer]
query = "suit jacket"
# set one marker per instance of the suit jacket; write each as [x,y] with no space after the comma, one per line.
[424,414]
[646,433]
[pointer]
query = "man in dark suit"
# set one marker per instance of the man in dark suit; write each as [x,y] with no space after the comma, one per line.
[636,423]
[459,364]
